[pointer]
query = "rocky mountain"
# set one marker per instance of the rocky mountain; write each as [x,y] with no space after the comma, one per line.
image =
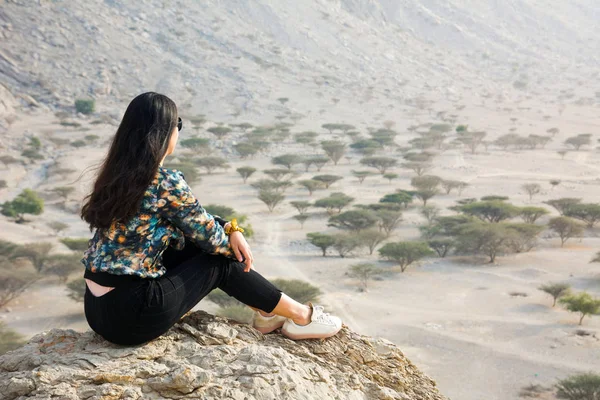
[208,357]
[351,58]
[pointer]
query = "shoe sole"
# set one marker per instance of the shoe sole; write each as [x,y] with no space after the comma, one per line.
[296,336]
[267,330]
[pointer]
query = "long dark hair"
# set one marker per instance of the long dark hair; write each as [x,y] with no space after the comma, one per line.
[139,145]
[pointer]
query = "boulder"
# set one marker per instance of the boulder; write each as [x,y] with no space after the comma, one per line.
[209,357]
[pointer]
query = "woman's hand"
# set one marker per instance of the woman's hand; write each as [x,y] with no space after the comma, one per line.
[241,249]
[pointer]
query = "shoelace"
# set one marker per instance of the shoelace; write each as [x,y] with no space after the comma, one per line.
[320,316]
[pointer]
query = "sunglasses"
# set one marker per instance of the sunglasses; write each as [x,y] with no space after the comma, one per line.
[179,124]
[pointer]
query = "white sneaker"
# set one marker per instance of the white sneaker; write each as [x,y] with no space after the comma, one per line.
[267,324]
[322,325]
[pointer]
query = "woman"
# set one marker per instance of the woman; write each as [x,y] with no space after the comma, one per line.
[156,251]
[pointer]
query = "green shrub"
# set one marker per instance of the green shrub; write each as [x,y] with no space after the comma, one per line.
[85,106]
[298,289]
[32,154]
[75,244]
[76,289]
[78,143]
[27,202]
[9,339]
[73,124]
[579,387]
[240,313]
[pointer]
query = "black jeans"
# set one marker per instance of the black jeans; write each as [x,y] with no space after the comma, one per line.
[140,311]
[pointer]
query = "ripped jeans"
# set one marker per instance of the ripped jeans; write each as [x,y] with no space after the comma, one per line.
[139,311]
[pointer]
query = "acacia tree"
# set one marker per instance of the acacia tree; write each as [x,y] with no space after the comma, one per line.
[555,290]
[57,226]
[246,149]
[390,175]
[270,198]
[355,220]
[583,303]
[63,191]
[426,185]
[310,185]
[321,241]
[578,141]
[219,131]
[471,139]
[531,189]
[26,202]
[211,163]
[361,175]
[36,253]
[563,204]
[301,206]
[423,157]
[363,272]
[490,210]
[553,131]
[405,253]
[246,172]
[402,197]
[366,147]
[264,184]
[418,167]
[318,161]
[371,238]
[277,173]
[14,283]
[483,238]
[327,180]
[335,201]
[346,243]
[76,289]
[287,160]
[524,236]
[389,219]
[306,137]
[301,218]
[554,183]
[430,213]
[382,164]
[531,214]
[588,213]
[63,265]
[201,145]
[334,149]
[566,228]
[450,185]
[441,246]
[334,126]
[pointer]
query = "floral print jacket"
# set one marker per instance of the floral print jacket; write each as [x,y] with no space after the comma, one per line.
[168,214]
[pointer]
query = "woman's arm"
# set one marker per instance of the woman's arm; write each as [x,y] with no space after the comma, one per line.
[220,220]
[177,203]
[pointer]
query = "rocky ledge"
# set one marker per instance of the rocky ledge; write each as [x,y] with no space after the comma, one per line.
[209,357]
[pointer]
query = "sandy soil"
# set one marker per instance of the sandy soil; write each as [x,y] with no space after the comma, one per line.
[454,318]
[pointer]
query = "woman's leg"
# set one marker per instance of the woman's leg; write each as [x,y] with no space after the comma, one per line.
[287,307]
[290,308]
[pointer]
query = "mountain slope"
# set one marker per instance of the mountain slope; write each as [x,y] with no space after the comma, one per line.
[237,57]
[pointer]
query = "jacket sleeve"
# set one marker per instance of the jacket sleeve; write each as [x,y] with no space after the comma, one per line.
[220,220]
[177,203]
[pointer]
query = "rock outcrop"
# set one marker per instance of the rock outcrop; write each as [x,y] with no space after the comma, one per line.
[209,357]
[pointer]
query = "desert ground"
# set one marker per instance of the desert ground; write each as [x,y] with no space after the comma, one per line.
[453,317]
